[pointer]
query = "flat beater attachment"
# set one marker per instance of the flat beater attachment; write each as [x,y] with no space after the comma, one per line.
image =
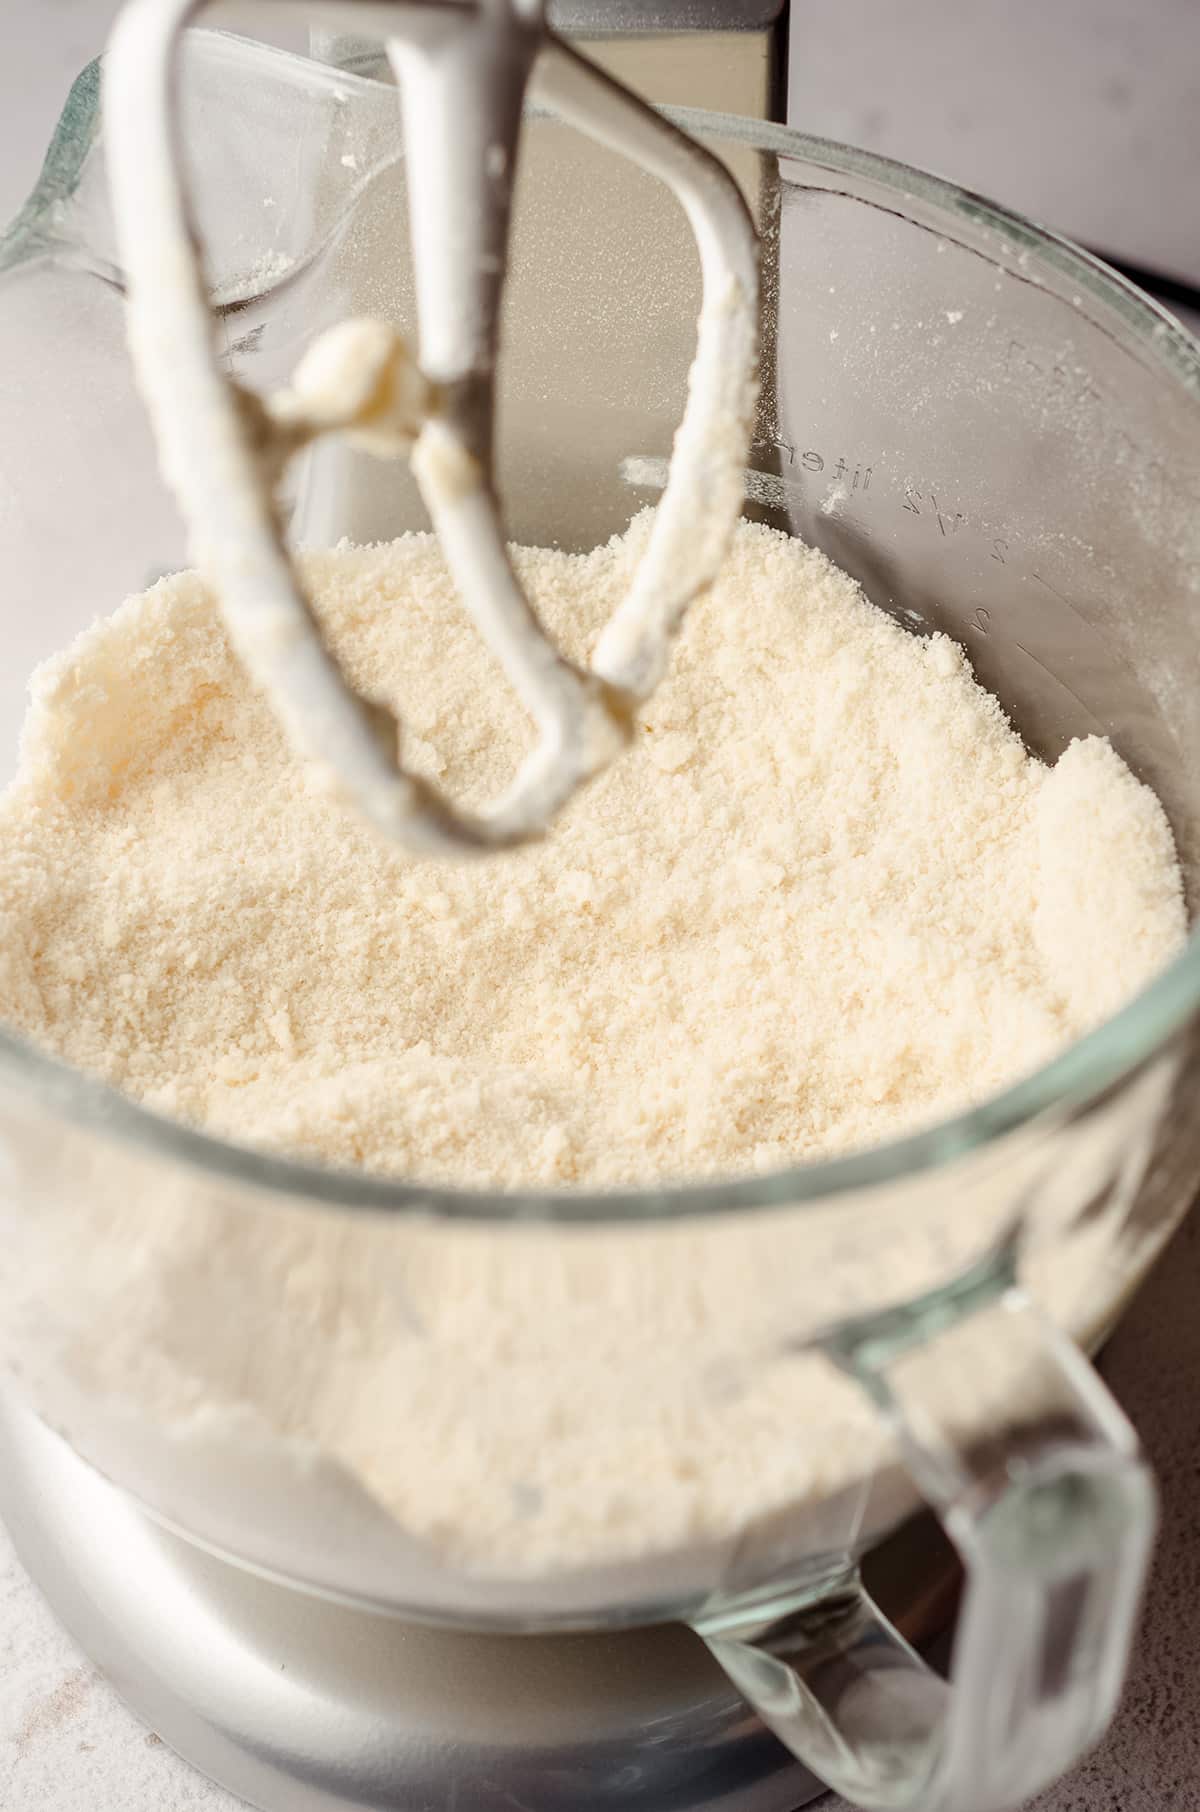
[464,71]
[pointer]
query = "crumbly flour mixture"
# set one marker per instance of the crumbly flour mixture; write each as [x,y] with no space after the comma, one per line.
[828,896]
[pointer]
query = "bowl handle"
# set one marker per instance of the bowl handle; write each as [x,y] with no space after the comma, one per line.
[1053,1516]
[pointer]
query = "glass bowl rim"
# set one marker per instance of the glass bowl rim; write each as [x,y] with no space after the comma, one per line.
[1067,1084]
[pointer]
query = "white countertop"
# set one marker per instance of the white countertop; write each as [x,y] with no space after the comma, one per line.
[67,1744]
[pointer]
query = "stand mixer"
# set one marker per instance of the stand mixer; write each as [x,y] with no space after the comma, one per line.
[1023,475]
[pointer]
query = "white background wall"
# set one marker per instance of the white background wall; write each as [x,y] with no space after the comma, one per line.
[1084,114]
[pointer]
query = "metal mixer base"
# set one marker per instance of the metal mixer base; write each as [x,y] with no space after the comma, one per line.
[301,1704]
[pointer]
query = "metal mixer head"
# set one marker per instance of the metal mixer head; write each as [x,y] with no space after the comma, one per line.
[464,69]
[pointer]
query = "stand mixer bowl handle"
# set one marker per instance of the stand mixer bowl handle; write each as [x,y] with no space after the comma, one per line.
[1053,1517]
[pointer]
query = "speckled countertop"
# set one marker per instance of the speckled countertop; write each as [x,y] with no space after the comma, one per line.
[66,1742]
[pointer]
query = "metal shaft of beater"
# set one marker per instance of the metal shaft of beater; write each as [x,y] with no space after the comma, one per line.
[463,67]
[463,74]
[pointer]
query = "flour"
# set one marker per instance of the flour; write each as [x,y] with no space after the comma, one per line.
[827,897]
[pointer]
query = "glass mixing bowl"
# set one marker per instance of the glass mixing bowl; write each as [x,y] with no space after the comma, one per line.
[1001,439]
